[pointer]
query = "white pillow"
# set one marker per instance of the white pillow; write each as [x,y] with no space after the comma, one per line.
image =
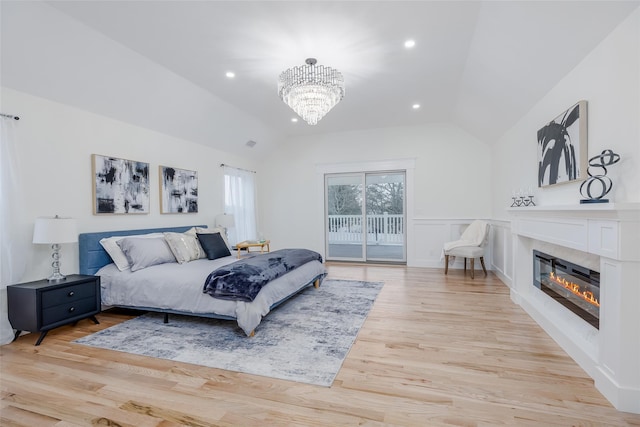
[185,247]
[110,244]
[192,232]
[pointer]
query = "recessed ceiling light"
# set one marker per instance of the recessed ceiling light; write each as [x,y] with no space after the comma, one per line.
[294,120]
[409,43]
[415,106]
[230,74]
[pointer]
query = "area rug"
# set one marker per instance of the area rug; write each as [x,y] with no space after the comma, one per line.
[305,339]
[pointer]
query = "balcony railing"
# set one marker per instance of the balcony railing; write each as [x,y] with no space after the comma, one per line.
[381,229]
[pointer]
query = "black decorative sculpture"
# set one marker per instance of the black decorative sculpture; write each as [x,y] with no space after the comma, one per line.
[606,158]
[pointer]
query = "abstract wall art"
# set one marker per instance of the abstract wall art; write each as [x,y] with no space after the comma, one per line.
[562,147]
[120,186]
[178,190]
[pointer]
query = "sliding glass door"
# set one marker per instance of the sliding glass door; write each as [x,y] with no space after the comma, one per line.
[344,220]
[385,217]
[365,217]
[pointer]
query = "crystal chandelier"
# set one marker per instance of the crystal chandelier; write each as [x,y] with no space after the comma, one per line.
[311,90]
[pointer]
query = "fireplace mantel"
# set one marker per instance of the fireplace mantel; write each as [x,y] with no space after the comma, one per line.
[579,207]
[610,231]
[589,210]
[610,355]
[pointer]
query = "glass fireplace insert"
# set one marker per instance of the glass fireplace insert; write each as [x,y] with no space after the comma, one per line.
[575,287]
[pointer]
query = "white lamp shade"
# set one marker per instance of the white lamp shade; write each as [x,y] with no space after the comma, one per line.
[55,230]
[226,221]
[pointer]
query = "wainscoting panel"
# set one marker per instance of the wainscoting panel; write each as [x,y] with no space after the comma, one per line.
[429,237]
[500,247]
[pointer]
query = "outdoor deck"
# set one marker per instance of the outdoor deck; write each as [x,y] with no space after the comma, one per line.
[384,252]
[384,237]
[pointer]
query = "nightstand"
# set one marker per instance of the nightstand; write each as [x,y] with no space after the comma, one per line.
[42,305]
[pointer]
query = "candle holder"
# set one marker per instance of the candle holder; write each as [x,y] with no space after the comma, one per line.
[522,199]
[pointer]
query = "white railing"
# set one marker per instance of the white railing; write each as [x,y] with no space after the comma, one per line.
[385,228]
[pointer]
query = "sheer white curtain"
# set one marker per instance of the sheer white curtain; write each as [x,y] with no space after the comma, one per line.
[240,201]
[13,246]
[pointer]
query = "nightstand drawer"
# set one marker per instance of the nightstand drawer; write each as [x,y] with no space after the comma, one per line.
[68,311]
[67,294]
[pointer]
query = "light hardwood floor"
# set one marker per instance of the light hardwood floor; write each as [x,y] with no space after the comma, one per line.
[435,350]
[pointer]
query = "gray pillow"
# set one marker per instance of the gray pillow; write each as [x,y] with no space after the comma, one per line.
[142,253]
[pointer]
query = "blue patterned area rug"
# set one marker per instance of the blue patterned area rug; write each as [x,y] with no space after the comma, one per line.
[305,339]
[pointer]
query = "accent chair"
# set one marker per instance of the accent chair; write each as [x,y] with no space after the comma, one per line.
[471,245]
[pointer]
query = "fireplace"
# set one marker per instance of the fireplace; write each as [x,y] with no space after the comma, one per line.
[609,354]
[575,287]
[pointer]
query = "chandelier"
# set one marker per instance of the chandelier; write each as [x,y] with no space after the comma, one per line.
[311,90]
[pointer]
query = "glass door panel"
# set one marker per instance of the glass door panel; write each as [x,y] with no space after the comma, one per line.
[385,217]
[365,217]
[345,227]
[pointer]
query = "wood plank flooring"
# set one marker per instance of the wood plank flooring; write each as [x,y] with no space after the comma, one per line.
[435,351]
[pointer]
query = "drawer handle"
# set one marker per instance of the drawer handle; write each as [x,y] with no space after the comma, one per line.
[72,309]
[71,293]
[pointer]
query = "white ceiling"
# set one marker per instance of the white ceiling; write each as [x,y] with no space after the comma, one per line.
[480,65]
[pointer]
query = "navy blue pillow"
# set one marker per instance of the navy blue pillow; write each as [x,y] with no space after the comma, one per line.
[213,245]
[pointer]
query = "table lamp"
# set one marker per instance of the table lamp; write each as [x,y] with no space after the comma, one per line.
[54,231]
[225,221]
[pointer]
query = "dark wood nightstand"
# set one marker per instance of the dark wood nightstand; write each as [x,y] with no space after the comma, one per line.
[42,305]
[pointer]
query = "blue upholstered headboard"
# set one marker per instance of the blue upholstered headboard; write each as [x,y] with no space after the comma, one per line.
[93,256]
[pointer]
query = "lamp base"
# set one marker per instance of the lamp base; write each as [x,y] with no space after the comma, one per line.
[56,277]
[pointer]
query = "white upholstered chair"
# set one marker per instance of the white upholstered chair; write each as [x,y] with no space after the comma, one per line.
[470,245]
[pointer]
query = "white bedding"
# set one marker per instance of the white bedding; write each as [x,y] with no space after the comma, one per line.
[179,287]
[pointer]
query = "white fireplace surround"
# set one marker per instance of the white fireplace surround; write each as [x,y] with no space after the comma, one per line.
[610,355]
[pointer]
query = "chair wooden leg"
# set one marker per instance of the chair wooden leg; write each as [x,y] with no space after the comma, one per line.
[472,261]
[465,266]
[483,267]
[446,264]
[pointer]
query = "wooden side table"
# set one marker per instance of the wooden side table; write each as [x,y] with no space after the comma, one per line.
[246,245]
[42,305]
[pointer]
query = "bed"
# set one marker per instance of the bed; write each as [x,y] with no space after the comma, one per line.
[177,288]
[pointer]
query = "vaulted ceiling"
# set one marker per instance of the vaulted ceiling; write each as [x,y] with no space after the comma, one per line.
[480,65]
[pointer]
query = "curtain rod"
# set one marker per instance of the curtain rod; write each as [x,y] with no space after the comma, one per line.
[233,167]
[9,116]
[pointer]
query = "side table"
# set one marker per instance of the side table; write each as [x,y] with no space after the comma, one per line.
[246,245]
[43,305]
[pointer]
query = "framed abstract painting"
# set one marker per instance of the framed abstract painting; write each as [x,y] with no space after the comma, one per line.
[120,186]
[178,190]
[562,147]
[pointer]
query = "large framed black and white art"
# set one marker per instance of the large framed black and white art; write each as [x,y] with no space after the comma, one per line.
[178,190]
[562,147]
[120,186]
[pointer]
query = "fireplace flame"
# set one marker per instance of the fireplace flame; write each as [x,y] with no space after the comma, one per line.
[575,289]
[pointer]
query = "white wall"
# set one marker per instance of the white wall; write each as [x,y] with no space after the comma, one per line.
[55,143]
[452,176]
[609,79]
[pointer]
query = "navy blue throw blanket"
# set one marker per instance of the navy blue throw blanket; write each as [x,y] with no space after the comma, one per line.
[243,279]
